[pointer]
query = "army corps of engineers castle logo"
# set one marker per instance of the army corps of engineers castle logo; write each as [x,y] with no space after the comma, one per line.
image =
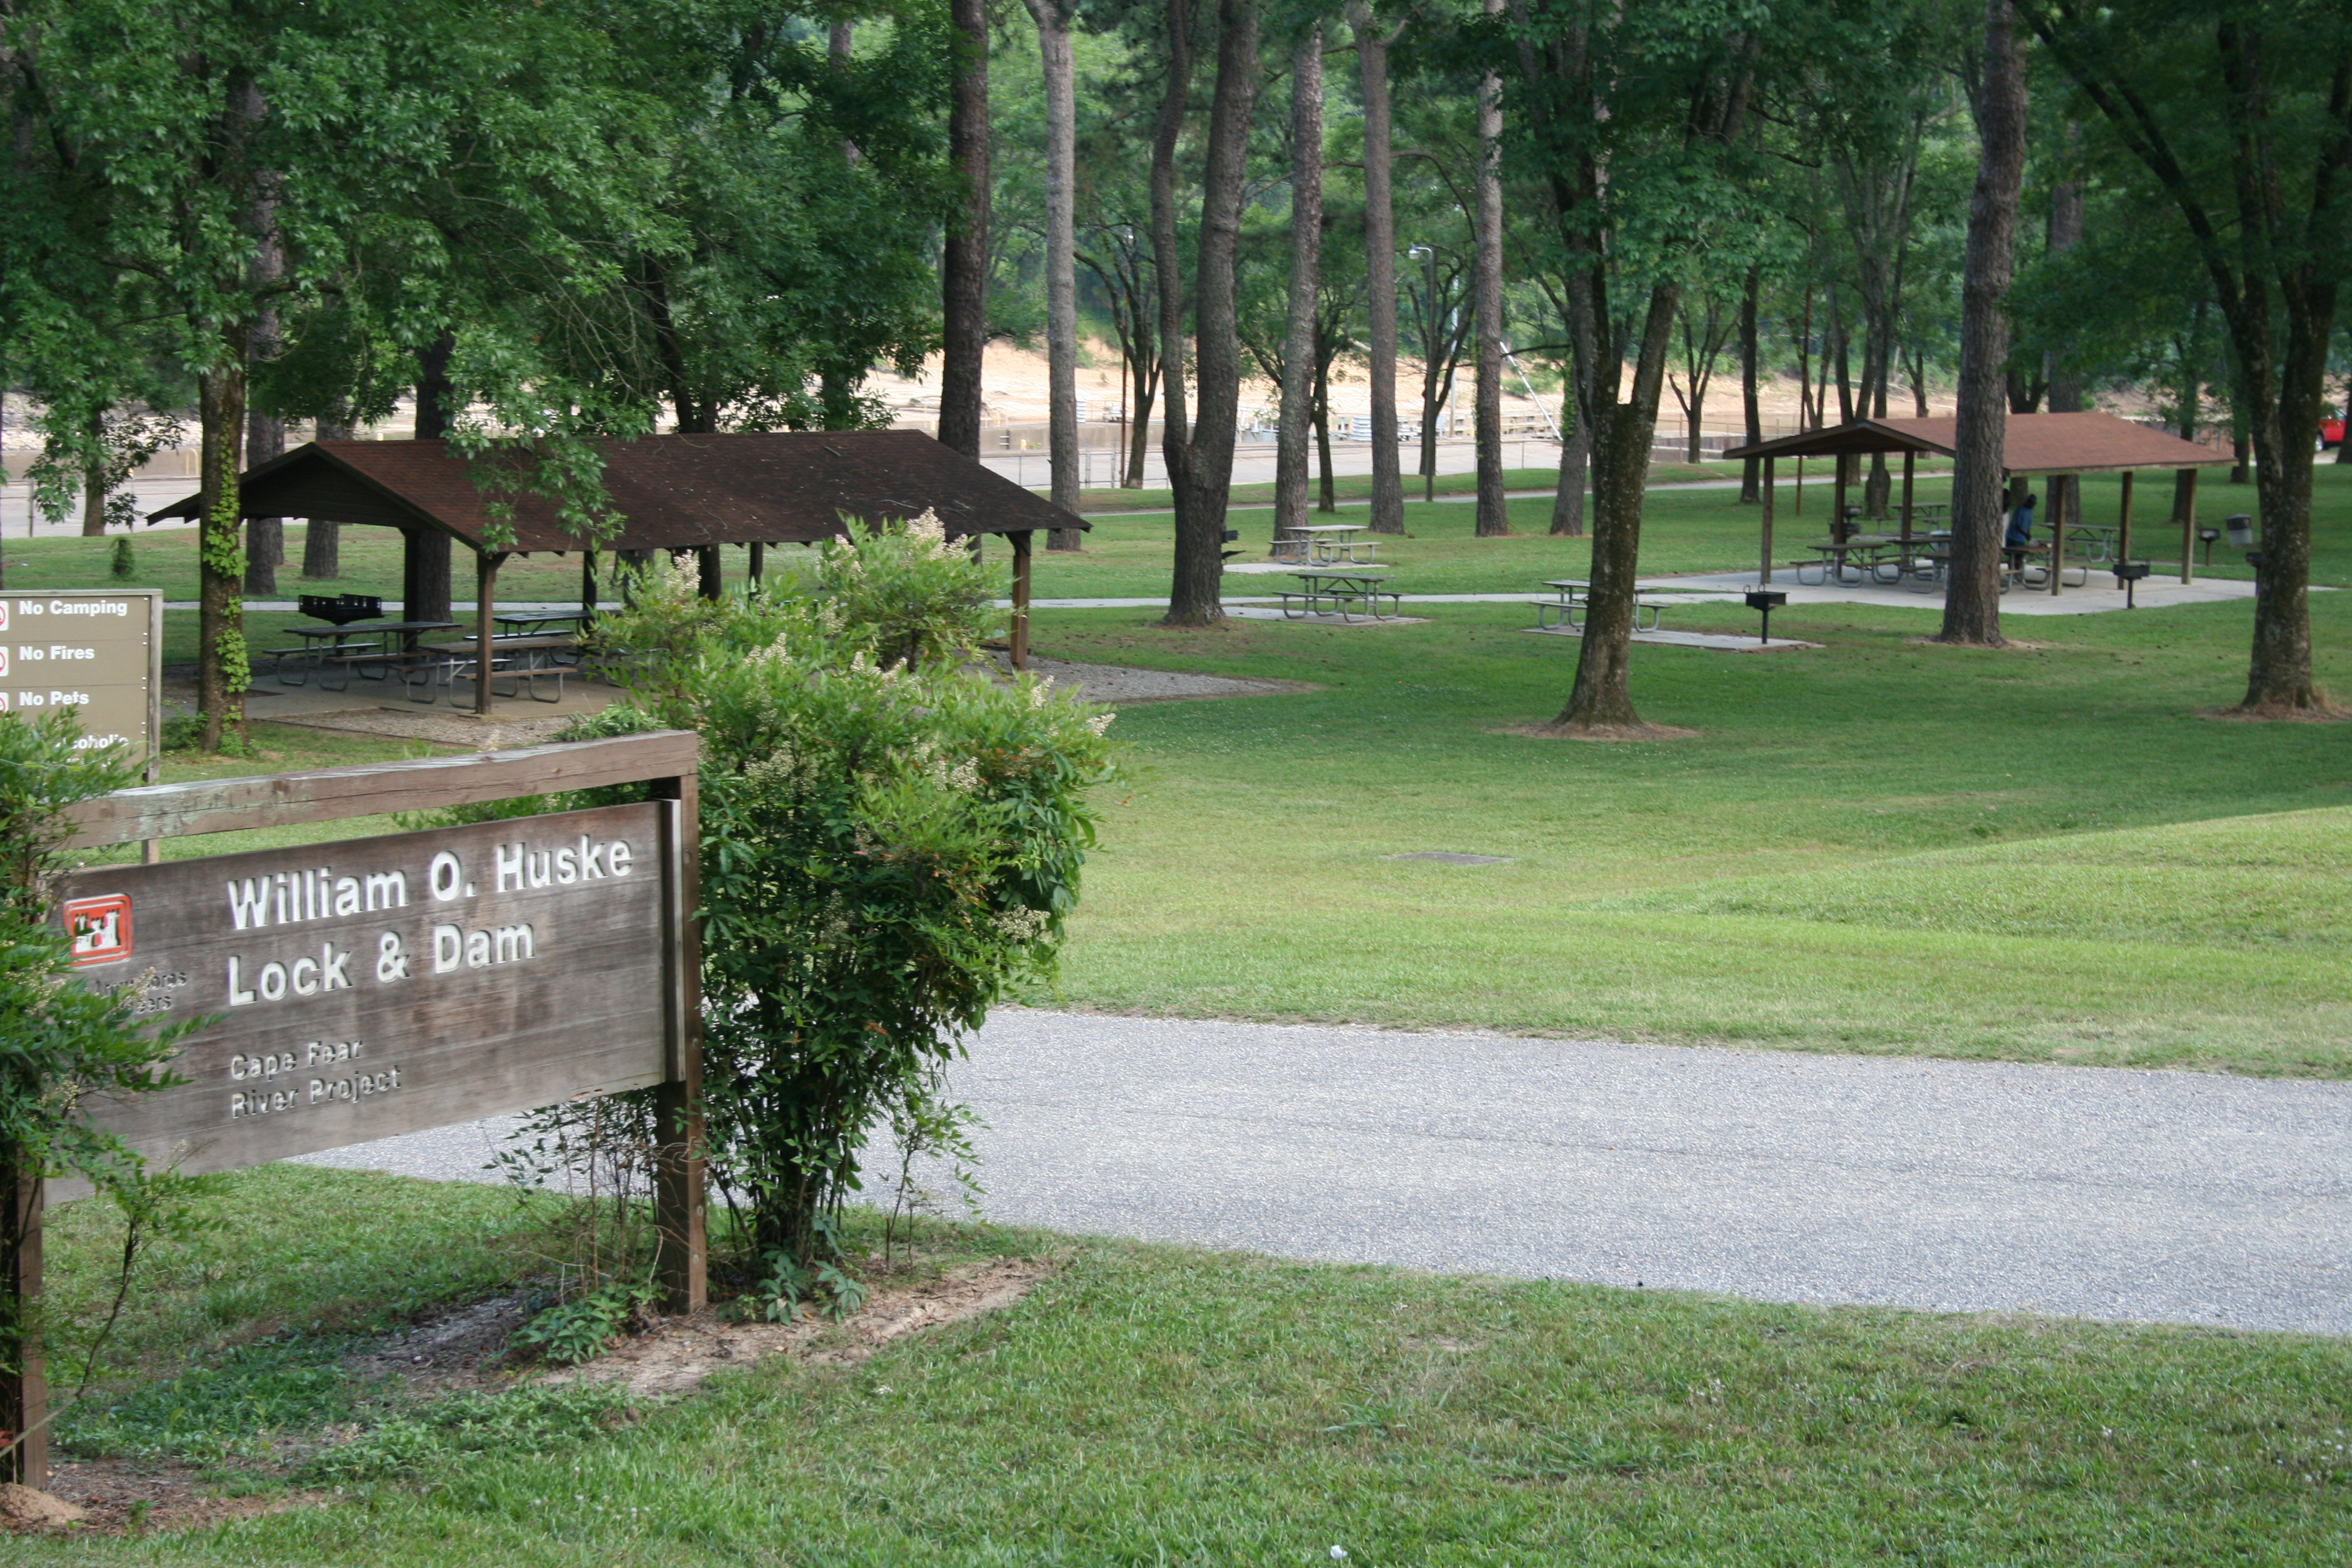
[100,927]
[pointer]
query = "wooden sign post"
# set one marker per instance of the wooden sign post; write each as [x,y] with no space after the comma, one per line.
[375,986]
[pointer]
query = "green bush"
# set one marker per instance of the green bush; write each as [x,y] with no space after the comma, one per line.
[891,843]
[58,1040]
[578,1329]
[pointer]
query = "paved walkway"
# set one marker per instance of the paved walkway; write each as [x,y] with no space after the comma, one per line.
[2162,1196]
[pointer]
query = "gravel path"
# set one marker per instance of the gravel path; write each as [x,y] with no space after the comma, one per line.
[2160,1196]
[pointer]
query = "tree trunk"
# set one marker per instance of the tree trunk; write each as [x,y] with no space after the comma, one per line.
[1972,598]
[1306,278]
[1327,497]
[93,501]
[322,542]
[1379,267]
[1603,696]
[1623,431]
[1486,294]
[2066,234]
[2066,380]
[1140,437]
[265,438]
[425,560]
[223,667]
[963,269]
[1575,462]
[1061,266]
[265,537]
[1195,596]
[1167,267]
[836,388]
[93,482]
[1751,487]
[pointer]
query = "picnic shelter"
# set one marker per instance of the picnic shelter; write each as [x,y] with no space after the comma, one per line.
[676,493]
[2058,447]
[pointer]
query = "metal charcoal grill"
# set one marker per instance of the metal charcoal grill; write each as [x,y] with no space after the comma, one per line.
[2128,577]
[343,609]
[1766,600]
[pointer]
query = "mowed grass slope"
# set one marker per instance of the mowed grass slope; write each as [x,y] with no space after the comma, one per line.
[1881,844]
[1149,1404]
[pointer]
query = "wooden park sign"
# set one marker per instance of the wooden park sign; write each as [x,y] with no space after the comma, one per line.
[368,987]
[100,654]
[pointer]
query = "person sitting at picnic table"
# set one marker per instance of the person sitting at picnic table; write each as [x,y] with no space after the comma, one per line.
[2021,525]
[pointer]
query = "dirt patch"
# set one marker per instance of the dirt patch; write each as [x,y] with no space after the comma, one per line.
[2328,713]
[2007,644]
[447,728]
[121,1496]
[1120,684]
[1600,732]
[462,1350]
[677,1357]
[447,1354]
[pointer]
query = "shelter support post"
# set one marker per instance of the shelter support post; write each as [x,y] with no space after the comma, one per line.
[758,572]
[712,574]
[1765,576]
[2184,507]
[25,1395]
[681,1246]
[2062,498]
[587,588]
[1837,506]
[2123,521]
[486,589]
[1910,463]
[1020,636]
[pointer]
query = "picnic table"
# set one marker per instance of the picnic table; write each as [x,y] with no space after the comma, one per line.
[1573,595]
[1934,568]
[1324,592]
[1321,543]
[1872,547]
[526,658]
[526,621]
[332,646]
[2096,540]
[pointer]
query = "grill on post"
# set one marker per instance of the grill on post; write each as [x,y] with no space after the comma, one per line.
[1766,600]
[343,609]
[2128,576]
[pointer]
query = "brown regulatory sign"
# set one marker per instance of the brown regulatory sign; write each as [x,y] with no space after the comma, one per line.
[98,653]
[375,986]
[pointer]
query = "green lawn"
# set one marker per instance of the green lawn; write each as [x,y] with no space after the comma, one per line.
[1150,1405]
[1880,846]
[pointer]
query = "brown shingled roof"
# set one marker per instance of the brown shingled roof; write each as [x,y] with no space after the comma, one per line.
[2033,443]
[676,493]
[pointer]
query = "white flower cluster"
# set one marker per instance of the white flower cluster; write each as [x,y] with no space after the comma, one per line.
[1021,925]
[929,532]
[1100,723]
